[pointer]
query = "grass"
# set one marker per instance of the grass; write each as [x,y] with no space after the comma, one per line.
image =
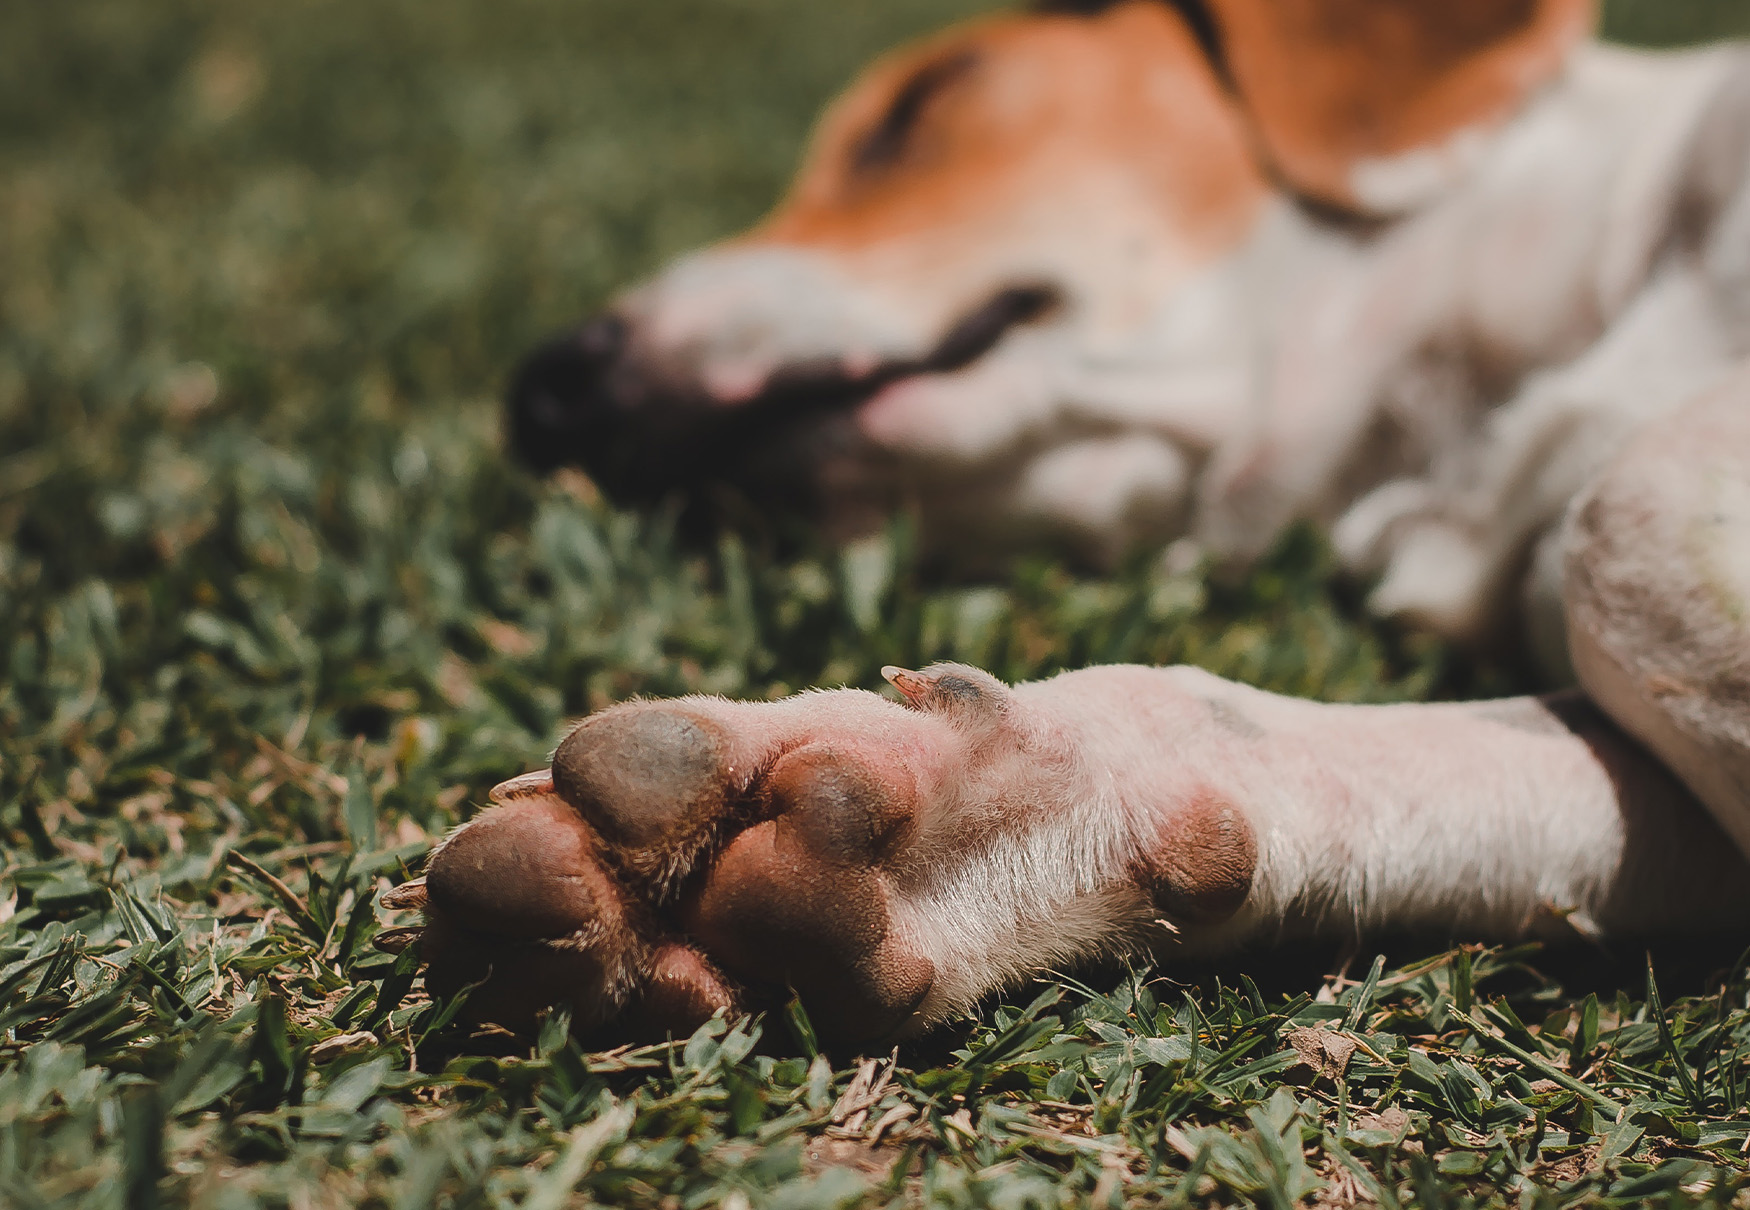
[274,611]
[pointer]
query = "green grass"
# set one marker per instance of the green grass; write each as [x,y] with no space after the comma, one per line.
[274,611]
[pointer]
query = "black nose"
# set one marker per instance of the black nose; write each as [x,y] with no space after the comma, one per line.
[563,407]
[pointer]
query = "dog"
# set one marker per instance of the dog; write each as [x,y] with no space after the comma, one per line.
[1454,280]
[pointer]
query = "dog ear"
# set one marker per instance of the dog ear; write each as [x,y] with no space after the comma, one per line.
[1374,106]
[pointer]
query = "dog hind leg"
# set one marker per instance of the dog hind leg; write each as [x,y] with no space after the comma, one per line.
[1657,595]
[1453,543]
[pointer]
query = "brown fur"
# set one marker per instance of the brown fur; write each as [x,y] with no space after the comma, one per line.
[1332,82]
[1038,96]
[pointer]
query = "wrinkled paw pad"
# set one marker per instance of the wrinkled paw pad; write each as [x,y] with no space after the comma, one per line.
[524,911]
[520,902]
[648,879]
[550,895]
[801,899]
[654,783]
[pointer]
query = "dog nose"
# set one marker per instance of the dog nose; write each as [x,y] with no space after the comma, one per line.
[563,408]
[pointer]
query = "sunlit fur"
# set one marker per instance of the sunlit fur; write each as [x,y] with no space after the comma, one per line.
[1435,380]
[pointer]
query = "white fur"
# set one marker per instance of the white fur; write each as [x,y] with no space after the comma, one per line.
[1399,183]
[1492,819]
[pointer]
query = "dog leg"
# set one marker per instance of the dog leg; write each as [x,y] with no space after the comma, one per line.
[892,862]
[1454,544]
[1658,595]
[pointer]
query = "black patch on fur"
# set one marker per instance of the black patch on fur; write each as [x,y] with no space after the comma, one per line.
[1233,720]
[883,144]
[974,333]
[958,688]
[1555,714]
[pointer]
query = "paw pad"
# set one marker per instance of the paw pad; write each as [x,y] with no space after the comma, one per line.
[653,783]
[655,877]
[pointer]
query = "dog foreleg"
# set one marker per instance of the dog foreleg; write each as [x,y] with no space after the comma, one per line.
[895,862]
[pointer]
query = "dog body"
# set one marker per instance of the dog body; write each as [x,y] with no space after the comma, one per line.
[1213,357]
[1153,272]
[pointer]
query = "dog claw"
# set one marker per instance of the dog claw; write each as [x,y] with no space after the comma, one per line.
[960,692]
[526,785]
[912,686]
[408,896]
[394,940]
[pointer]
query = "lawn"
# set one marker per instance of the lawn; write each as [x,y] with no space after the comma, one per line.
[275,611]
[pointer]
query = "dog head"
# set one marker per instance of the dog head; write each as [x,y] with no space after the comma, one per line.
[994,291]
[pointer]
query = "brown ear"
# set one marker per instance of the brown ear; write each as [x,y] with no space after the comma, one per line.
[1376,105]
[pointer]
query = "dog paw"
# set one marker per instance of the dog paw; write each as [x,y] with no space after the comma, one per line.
[688,856]
[887,861]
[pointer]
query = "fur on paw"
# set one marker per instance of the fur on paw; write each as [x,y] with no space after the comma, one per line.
[889,862]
